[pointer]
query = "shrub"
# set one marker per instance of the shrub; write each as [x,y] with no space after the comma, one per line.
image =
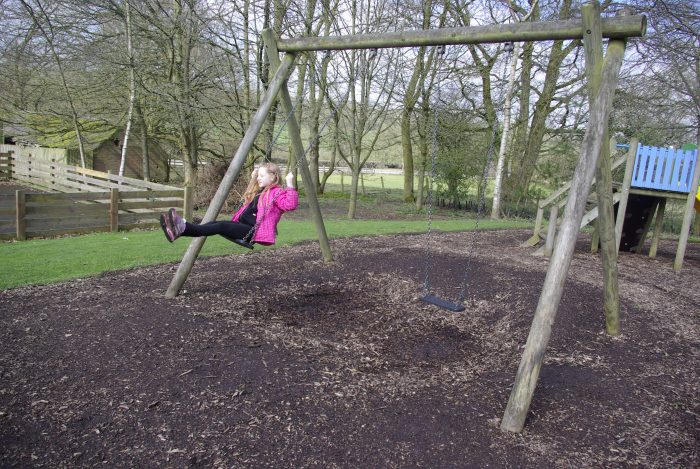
[210,176]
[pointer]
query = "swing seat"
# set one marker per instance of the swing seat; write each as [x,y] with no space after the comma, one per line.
[434,300]
[241,242]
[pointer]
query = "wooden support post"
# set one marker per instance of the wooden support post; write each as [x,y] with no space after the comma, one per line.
[551,230]
[20,212]
[187,196]
[687,217]
[660,210]
[298,148]
[595,237]
[605,227]
[625,191]
[234,168]
[545,314]
[647,227]
[114,210]
[535,238]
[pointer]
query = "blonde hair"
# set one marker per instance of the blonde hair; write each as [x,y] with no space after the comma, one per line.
[252,190]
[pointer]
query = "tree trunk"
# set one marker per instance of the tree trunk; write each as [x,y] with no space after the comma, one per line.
[407,153]
[525,167]
[247,96]
[424,123]
[409,101]
[522,122]
[146,161]
[132,87]
[500,164]
[180,78]
[354,183]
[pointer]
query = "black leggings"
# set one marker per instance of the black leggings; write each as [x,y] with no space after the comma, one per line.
[227,229]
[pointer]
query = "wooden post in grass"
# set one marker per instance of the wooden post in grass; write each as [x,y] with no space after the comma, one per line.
[657,227]
[234,168]
[595,237]
[625,190]
[114,210]
[20,212]
[647,227]
[551,230]
[298,148]
[605,226]
[687,217]
[545,314]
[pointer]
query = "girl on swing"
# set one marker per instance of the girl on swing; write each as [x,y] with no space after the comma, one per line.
[264,201]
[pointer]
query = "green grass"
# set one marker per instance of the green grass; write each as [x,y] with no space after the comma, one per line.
[372,181]
[44,261]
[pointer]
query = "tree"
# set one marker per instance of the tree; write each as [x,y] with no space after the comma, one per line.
[368,115]
[505,135]
[43,22]
[659,100]
[132,88]
[524,162]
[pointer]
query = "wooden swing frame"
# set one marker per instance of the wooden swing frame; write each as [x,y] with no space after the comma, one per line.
[602,73]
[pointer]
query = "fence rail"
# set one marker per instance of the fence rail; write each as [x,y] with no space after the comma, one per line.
[557,200]
[61,178]
[77,200]
[5,166]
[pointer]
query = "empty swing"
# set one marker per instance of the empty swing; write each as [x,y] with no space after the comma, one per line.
[458,305]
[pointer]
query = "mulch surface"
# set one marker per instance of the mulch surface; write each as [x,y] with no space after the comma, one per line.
[275,359]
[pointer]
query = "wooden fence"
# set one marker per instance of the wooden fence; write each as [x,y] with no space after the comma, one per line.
[77,200]
[5,166]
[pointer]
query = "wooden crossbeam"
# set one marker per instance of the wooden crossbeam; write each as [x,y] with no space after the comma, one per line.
[620,27]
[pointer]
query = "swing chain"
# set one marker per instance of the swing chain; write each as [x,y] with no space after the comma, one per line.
[440,50]
[481,199]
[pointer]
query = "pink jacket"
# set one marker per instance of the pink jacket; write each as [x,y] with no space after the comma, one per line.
[271,205]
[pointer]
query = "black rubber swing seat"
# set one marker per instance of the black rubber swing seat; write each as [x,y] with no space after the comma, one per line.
[434,300]
[241,242]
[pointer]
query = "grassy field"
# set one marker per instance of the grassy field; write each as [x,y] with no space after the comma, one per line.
[380,212]
[43,261]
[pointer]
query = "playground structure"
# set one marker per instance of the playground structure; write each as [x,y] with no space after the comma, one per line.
[653,175]
[602,73]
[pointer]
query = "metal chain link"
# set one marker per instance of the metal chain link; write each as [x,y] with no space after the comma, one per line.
[481,199]
[440,50]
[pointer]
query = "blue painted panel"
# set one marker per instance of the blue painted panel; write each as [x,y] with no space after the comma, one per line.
[689,161]
[664,168]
